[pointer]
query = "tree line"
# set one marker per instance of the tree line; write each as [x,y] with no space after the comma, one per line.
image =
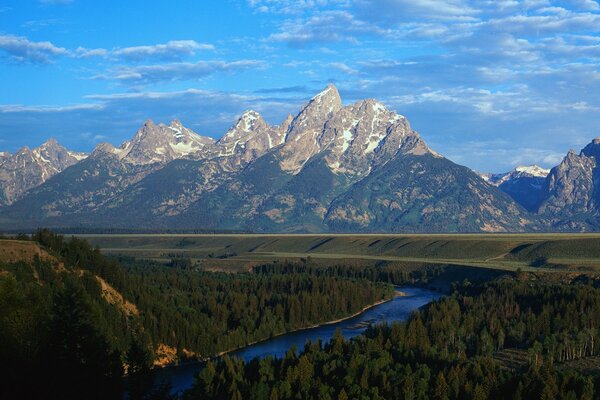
[446,351]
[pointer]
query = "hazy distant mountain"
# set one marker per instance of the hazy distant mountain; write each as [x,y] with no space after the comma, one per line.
[353,168]
[28,168]
[524,184]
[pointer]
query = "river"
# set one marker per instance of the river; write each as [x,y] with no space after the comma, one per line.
[398,309]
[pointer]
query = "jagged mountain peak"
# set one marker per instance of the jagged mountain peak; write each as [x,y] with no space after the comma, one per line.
[357,136]
[328,95]
[176,123]
[287,121]
[52,142]
[318,109]
[104,148]
[28,168]
[249,138]
[177,128]
[250,122]
[23,150]
[50,146]
[330,167]
[162,143]
[302,138]
[326,102]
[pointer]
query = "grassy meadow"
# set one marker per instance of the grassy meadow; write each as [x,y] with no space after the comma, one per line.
[234,252]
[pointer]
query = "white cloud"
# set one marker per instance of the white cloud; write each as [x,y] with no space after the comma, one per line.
[291,7]
[327,26]
[343,68]
[82,52]
[22,49]
[17,108]
[145,74]
[173,49]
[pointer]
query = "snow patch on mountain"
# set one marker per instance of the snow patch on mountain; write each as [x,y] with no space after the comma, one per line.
[531,171]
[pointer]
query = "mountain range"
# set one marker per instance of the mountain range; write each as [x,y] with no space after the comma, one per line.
[330,168]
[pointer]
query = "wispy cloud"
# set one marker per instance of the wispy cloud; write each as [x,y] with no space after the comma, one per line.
[35,25]
[340,66]
[22,49]
[173,49]
[82,52]
[286,89]
[327,26]
[294,7]
[177,71]
[47,109]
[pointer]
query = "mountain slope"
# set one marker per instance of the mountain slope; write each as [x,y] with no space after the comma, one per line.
[524,184]
[424,193]
[29,168]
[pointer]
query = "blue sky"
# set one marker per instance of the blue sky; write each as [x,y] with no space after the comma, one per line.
[489,84]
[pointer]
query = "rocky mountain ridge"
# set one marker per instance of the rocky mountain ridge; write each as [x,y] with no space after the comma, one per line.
[29,168]
[353,168]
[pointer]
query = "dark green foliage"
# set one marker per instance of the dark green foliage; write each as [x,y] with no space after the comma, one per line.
[52,342]
[78,350]
[139,364]
[383,273]
[208,312]
[445,351]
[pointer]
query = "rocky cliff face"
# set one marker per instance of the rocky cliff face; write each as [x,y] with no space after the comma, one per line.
[248,139]
[302,137]
[572,191]
[28,168]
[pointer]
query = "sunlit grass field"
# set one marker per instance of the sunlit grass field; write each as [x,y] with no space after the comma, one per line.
[511,252]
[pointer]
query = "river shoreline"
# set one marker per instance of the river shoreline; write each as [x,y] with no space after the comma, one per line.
[336,321]
[405,300]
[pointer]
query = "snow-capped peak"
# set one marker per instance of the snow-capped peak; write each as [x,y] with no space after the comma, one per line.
[522,171]
[533,170]
[250,121]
